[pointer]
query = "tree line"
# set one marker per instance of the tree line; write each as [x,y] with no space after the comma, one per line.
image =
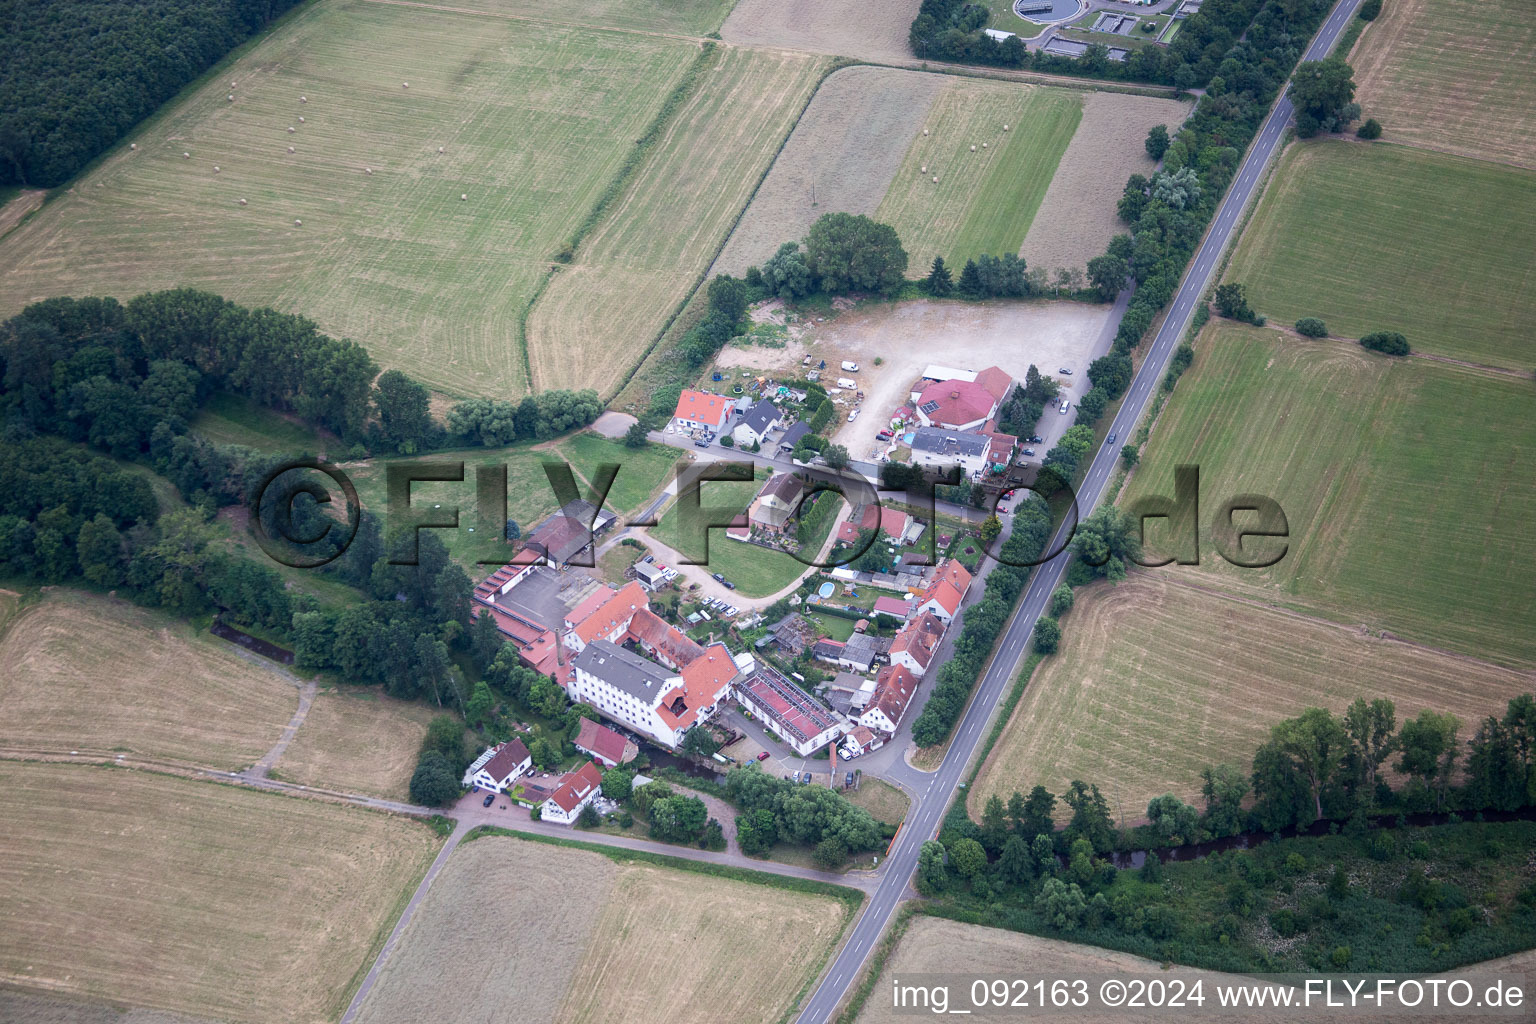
[953,30]
[81,73]
[776,810]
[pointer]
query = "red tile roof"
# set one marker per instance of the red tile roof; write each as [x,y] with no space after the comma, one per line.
[955,573]
[894,687]
[792,707]
[891,521]
[575,786]
[702,408]
[996,381]
[956,403]
[617,611]
[506,761]
[600,741]
[892,606]
[670,645]
[945,595]
[920,639]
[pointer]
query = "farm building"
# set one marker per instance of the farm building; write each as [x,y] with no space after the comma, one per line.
[701,410]
[574,791]
[934,447]
[755,425]
[570,534]
[498,767]
[788,711]
[604,745]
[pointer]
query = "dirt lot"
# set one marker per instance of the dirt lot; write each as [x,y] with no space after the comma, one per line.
[1077,217]
[580,938]
[357,740]
[1156,680]
[839,159]
[80,672]
[194,897]
[874,29]
[932,945]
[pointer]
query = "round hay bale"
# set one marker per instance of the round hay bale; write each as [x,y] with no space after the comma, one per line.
[983,145]
[303,99]
[186,156]
[463,197]
[242,202]
[923,169]
[935,179]
[291,130]
[973,148]
[439,149]
[297,222]
[925,131]
[290,149]
[1005,127]
[231,97]
[405,85]
[215,168]
[301,120]
[367,170]
[133,145]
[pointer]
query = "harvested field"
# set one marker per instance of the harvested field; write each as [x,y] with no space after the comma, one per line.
[18,1007]
[1453,75]
[934,945]
[1077,217]
[535,120]
[223,902]
[844,151]
[17,208]
[581,938]
[590,325]
[1399,480]
[1343,233]
[87,673]
[1156,680]
[357,740]
[983,202]
[691,17]
[871,29]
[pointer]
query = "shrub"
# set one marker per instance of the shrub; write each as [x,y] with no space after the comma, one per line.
[1311,327]
[1370,128]
[1388,343]
[1370,10]
[1047,635]
[727,441]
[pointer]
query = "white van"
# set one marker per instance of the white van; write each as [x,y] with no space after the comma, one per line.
[844,382]
[850,367]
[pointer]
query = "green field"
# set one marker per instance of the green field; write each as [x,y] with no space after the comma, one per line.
[589,327]
[1407,484]
[233,419]
[1383,237]
[984,201]
[536,121]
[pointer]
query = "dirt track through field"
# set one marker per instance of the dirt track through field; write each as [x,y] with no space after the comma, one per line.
[1077,218]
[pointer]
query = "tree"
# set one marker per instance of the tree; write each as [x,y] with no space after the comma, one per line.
[1179,190]
[403,408]
[1428,745]
[101,551]
[1107,275]
[755,832]
[1106,541]
[932,876]
[1321,90]
[836,456]
[1232,302]
[1130,455]
[968,857]
[1090,816]
[1311,327]
[970,280]
[1224,789]
[1309,747]
[512,531]
[699,742]
[1370,728]
[1060,904]
[1174,821]
[1386,342]
[617,784]
[480,706]
[991,527]
[1047,635]
[939,282]
[445,734]
[1369,129]
[588,818]
[1014,865]
[1061,600]
[786,273]
[1157,141]
[433,783]
[1038,815]
[850,252]
[677,818]
[636,436]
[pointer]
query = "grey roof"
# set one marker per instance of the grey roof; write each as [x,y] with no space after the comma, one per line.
[624,669]
[760,415]
[584,512]
[795,433]
[950,442]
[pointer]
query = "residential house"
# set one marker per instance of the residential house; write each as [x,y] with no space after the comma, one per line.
[792,435]
[941,600]
[894,687]
[604,745]
[788,711]
[776,503]
[755,425]
[574,791]
[955,405]
[861,739]
[933,447]
[915,645]
[892,522]
[498,767]
[701,410]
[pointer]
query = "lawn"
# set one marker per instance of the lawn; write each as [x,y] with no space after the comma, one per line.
[582,938]
[535,121]
[642,471]
[879,798]
[357,740]
[1453,75]
[1406,484]
[1156,680]
[228,418]
[216,901]
[1384,237]
[984,202]
[102,676]
[592,323]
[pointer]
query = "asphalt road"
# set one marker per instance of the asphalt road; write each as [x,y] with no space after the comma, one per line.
[931,803]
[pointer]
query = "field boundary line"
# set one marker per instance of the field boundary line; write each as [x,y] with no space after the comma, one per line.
[1462,364]
[836,64]
[1031,78]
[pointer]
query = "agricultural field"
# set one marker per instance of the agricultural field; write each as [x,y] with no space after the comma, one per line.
[983,202]
[1077,217]
[356,740]
[394,259]
[1344,232]
[582,938]
[194,897]
[1398,478]
[1453,75]
[102,676]
[870,29]
[687,17]
[1157,679]
[589,327]
[840,158]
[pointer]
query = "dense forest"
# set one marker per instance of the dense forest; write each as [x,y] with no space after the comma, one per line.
[77,75]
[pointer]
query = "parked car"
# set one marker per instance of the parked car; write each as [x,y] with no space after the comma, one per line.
[885,435]
[1065,407]
[853,416]
[490,798]
[1065,370]
[701,444]
[728,584]
[763,756]
[1035,439]
[648,558]
[1029,451]
[848,780]
[718,578]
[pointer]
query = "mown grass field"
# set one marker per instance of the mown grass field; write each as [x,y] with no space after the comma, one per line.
[1453,75]
[690,17]
[233,419]
[590,326]
[357,740]
[535,121]
[984,202]
[1384,237]
[1406,484]
[210,900]
[87,673]
[1156,680]
[582,938]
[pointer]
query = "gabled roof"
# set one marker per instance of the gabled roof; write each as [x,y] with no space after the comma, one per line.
[892,606]
[507,760]
[760,416]
[670,643]
[954,573]
[575,786]
[1001,448]
[795,432]
[616,611]
[919,639]
[625,670]
[996,381]
[891,521]
[894,687]
[784,487]
[702,408]
[600,741]
[943,593]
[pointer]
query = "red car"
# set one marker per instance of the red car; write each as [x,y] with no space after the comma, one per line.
[763,756]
